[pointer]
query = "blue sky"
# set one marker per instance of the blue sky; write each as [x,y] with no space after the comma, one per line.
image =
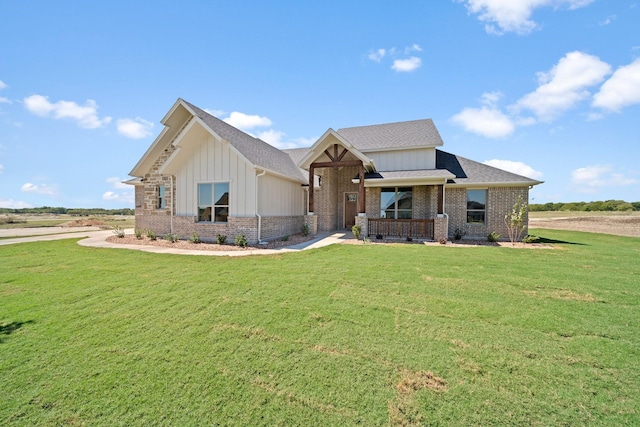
[546,88]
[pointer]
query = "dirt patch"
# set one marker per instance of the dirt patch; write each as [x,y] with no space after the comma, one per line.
[617,225]
[130,239]
[414,381]
[83,223]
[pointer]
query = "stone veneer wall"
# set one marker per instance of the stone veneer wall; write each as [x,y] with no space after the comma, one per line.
[148,216]
[499,201]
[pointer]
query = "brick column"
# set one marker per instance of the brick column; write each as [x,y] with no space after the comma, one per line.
[311,221]
[363,222]
[440,227]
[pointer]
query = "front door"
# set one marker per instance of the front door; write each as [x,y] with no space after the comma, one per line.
[350,209]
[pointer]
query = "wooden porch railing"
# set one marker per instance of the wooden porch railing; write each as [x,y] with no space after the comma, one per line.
[418,228]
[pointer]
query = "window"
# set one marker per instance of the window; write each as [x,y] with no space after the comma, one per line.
[213,201]
[162,201]
[396,203]
[476,206]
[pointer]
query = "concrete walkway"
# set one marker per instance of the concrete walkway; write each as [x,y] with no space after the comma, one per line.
[98,239]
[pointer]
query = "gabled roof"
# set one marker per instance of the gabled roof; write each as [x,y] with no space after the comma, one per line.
[396,136]
[256,151]
[253,149]
[329,138]
[469,172]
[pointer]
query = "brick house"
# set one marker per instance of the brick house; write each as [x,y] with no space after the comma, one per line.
[202,175]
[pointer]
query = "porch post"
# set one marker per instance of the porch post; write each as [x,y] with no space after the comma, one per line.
[311,184]
[361,192]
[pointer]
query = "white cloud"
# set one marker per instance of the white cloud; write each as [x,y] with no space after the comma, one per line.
[247,121]
[4,100]
[134,128]
[607,21]
[116,182]
[215,113]
[407,65]
[277,139]
[413,48]
[564,85]
[501,16]
[591,178]
[124,197]
[14,204]
[377,55]
[515,167]
[621,90]
[1,168]
[38,189]
[3,85]
[85,115]
[486,121]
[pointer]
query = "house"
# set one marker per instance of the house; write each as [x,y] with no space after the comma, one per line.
[202,175]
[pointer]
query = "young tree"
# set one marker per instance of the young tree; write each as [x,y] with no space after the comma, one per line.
[514,220]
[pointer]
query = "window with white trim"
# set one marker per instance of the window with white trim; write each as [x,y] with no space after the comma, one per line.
[213,202]
[162,201]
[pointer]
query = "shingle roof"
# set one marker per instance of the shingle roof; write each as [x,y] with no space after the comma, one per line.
[255,150]
[415,133]
[472,172]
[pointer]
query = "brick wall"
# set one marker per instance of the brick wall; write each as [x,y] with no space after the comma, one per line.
[499,201]
[329,198]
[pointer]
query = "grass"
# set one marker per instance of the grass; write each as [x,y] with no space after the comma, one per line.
[422,335]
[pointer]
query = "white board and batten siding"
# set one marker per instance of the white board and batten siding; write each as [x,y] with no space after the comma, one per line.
[399,160]
[214,161]
[280,197]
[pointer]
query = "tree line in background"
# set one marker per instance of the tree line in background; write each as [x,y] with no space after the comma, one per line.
[68,211]
[605,206]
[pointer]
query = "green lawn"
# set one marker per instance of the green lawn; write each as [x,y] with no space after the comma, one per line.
[425,335]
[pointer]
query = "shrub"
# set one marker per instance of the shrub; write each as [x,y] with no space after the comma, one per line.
[285,238]
[493,237]
[138,233]
[530,239]
[221,240]
[195,238]
[305,229]
[356,230]
[151,234]
[118,231]
[241,240]
[514,220]
[170,237]
[458,234]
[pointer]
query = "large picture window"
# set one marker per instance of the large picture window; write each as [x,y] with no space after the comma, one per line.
[476,206]
[396,203]
[213,201]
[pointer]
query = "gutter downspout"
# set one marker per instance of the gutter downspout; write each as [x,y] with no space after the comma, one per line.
[172,202]
[260,242]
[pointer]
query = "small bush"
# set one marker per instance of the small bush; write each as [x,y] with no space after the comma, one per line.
[170,237]
[458,234]
[356,230]
[118,231]
[241,240]
[305,229]
[195,238]
[493,237]
[151,234]
[530,239]
[138,233]
[285,238]
[221,240]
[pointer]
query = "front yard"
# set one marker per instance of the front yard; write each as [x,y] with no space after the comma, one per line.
[343,335]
